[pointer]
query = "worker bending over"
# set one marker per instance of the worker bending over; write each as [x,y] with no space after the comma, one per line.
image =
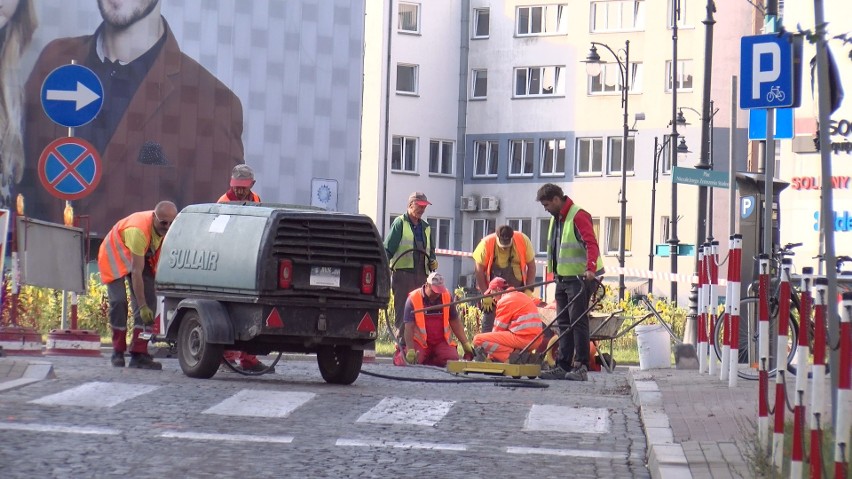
[516,324]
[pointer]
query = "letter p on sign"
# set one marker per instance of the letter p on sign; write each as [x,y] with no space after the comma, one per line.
[759,75]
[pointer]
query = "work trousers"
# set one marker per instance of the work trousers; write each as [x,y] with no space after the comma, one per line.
[117,296]
[499,345]
[403,283]
[436,354]
[576,342]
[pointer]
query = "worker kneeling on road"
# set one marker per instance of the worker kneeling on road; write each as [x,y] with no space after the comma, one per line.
[427,333]
[516,324]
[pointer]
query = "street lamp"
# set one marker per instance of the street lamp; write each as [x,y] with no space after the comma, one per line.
[673,239]
[659,149]
[705,208]
[593,68]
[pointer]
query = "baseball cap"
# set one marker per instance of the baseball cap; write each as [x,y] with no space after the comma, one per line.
[504,236]
[498,284]
[242,176]
[419,198]
[436,282]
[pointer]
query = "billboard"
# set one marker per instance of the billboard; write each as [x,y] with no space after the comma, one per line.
[192,88]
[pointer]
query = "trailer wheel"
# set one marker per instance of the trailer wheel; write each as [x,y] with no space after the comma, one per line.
[340,364]
[197,357]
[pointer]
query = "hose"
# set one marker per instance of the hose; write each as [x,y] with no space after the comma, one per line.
[269,369]
[499,382]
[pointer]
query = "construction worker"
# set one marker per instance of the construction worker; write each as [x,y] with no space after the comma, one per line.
[574,257]
[507,254]
[517,323]
[128,256]
[427,333]
[411,252]
[242,180]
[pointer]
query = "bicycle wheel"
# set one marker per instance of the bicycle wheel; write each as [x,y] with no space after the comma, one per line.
[748,344]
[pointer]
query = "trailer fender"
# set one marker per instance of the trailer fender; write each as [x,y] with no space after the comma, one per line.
[214,319]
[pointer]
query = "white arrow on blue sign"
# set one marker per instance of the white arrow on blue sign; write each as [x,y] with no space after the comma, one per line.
[766,71]
[72,95]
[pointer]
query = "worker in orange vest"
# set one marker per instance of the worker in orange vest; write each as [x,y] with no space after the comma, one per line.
[242,180]
[427,333]
[128,256]
[516,324]
[507,254]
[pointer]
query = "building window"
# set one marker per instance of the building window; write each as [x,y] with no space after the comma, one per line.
[665,227]
[485,158]
[553,157]
[481,18]
[524,225]
[615,155]
[409,18]
[596,226]
[406,78]
[617,15]
[404,154]
[441,157]
[442,229]
[608,81]
[479,83]
[684,75]
[538,81]
[391,218]
[540,20]
[613,231]
[521,158]
[681,20]
[481,228]
[589,159]
[665,165]
[543,230]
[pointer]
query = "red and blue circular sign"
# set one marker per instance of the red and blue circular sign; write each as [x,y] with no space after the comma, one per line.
[69,168]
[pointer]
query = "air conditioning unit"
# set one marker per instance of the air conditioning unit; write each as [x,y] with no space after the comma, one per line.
[467,203]
[468,281]
[489,203]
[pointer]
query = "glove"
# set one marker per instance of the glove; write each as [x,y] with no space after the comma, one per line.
[468,348]
[147,315]
[410,355]
[529,293]
[488,304]
[433,264]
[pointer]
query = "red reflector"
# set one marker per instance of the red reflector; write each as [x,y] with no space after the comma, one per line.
[366,325]
[285,273]
[368,278]
[274,320]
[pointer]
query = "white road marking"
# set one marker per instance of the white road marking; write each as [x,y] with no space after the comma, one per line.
[60,429]
[396,410]
[201,436]
[96,394]
[567,419]
[261,404]
[402,445]
[565,452]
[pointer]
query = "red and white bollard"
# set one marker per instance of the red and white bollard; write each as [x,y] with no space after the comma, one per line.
[802,356]
[817,407]
[763,351]
[843,423]
[781,363]
[703,255]
[730,363]
[712,283]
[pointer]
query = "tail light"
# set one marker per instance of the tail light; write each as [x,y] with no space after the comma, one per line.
[368,278]
[285,273]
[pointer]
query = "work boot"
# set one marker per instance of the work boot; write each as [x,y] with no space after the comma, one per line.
[256,367]
[117,359]
[555,372]
[579,373]
[144,361]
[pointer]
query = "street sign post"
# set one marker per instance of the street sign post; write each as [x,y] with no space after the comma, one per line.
[768,72]
[699,177]
[69,168]
[72,95]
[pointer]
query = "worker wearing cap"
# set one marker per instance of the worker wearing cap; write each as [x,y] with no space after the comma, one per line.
[242,180]
[411,252]
[128,256]
[427,333]
[507,254]
[517,323]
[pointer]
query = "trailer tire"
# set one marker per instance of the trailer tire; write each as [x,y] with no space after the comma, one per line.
[340,364]
[197,357]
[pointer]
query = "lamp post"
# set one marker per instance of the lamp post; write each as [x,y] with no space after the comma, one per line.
[673,239]
[659,149]
[593,68]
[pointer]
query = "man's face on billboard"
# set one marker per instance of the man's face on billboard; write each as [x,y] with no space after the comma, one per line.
[123,13]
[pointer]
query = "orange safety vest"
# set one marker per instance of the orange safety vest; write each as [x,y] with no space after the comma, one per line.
[520,248]
[517,313]
[224,198]
[115,260]
[416,297]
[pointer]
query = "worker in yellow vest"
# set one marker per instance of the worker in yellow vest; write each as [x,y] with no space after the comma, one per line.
[128,257]
[506,254]
[517,323]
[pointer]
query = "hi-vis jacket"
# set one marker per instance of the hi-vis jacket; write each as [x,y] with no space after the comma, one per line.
[115,260]
[517,313]
[416,297]
[520,248]
[571,256]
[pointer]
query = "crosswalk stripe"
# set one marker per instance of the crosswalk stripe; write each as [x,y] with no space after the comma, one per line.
[396,410]
[258,403]
[60,429]
[401,445]
[565,452]
[96,394]
[544,417]
[201,436]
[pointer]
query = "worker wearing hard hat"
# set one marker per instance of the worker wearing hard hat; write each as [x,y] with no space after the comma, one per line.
[516,324]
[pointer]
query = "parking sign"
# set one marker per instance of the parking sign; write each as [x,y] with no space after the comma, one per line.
[768,71]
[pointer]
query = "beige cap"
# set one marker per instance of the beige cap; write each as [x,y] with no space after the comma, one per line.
[436,282]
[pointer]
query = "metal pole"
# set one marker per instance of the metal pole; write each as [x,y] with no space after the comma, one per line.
[732,174]
[657,149]
[706,112]
[673,240]
[710,190]
[623,218]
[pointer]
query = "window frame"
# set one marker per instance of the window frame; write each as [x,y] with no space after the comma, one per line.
[554,171]
[682,23]
[527,158]
[438,231]
[404,147]
[634,80]
[559,9]
[613,231]
[517,224]
[451,166]
[681,68]
[475,24]
[488,227]
[492,153]
[543,230]
[474,78]
[577,163]
[638,17]
[558,89]
[399,28]
[416,79]
[611,151]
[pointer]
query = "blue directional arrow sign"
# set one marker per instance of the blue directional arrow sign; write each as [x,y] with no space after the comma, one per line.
[72,95]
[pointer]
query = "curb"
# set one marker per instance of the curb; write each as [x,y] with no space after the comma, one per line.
[666,459]
[22,373]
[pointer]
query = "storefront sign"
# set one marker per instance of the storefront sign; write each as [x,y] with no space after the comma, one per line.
[842,221]
[815,182]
